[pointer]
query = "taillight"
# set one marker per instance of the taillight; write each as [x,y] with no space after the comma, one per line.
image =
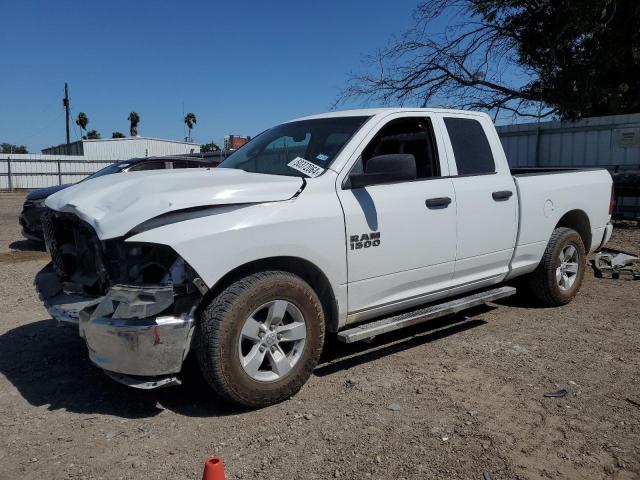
[611,202]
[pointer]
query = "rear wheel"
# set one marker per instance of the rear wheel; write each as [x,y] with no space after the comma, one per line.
[261,338]
[559,276]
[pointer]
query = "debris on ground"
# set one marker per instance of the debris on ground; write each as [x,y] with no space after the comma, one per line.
[634,402]
[557,394]
[615,262]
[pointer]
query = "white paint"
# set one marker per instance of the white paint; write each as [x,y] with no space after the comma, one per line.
[423,254]
[114,204]
[417,246]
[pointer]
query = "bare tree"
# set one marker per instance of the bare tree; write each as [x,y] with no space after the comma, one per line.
[532,58]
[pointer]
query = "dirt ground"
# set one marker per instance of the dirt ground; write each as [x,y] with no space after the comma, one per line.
[461,397]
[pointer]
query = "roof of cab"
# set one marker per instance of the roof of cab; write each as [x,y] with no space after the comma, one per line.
[370,112]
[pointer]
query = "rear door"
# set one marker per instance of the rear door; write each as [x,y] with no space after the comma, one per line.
[486,199]
[398,248]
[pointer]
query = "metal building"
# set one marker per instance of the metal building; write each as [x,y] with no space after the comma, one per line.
[54,166]
[597,141]
[123,148]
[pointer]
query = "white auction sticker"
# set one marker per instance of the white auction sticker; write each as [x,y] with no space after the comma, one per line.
[306,167]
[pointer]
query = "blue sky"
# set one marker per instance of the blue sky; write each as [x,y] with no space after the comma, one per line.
[239,66]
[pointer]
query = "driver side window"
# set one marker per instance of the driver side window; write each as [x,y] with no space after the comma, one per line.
[412,135]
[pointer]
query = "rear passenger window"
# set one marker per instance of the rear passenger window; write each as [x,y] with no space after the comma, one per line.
[411,135]
[470,146]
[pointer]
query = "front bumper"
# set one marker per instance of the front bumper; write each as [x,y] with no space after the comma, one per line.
[150,347]
[136,350]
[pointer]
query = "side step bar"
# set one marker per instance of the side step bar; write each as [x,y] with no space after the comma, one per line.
[369,330]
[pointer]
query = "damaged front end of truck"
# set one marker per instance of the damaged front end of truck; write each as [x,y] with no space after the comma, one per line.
[133,303]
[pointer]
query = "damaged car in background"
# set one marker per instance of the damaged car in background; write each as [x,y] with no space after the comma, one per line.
[354,223]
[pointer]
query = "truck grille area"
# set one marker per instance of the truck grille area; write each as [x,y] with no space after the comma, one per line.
[86,265]
[76,252]
[50,242]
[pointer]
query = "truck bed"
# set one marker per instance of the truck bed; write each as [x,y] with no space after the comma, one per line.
[582,193]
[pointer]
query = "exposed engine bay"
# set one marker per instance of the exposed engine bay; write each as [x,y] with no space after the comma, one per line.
[138,279]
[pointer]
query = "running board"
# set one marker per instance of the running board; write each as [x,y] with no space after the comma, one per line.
[369,330]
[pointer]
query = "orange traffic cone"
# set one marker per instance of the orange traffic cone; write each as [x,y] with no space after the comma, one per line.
[213,469]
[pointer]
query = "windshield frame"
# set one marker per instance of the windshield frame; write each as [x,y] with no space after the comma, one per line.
[358,120]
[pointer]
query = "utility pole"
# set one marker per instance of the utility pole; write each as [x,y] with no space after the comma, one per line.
[65,102]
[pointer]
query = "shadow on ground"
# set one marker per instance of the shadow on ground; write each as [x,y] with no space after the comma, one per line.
[48,365]
[27,246]
[338,356]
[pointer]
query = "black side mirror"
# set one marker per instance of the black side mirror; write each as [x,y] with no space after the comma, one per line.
[385,169]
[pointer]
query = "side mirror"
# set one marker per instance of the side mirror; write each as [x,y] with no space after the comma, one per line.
[385,169]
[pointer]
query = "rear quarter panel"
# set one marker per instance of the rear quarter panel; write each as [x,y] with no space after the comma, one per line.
[544,199]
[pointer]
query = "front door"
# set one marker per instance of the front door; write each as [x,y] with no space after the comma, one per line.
[401,237]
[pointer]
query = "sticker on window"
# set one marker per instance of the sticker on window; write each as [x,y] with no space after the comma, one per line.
[305,166]
[322,157]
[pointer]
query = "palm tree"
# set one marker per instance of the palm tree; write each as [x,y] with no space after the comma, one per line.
[190,121]
[117,135]
[82,122]
[93,135]
[134,120]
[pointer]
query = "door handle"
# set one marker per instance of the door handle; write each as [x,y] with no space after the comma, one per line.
[438,202]
[502,195]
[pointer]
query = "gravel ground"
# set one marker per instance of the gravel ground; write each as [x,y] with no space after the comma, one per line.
[461,397]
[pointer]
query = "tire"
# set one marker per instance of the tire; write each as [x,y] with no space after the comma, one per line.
[546,283]
[229,347]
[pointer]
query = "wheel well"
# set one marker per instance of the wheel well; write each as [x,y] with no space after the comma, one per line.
[298,266]
[578,221]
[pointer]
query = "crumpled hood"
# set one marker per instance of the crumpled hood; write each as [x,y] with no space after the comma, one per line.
[114,204]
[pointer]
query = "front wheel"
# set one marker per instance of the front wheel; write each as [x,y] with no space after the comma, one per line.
[261,338]
[559,276]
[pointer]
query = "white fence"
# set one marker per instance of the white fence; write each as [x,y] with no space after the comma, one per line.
[16,173]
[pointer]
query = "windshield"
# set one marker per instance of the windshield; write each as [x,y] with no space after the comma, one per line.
[108,170]
[304,148]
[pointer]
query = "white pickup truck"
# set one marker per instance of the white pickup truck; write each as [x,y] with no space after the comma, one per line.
[354,223]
